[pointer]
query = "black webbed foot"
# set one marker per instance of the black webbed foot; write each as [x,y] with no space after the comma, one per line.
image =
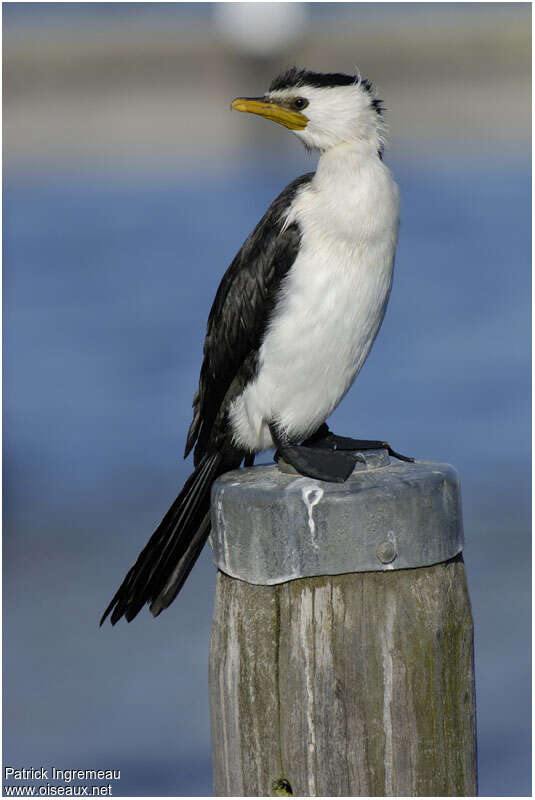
[324,438]
[319,463]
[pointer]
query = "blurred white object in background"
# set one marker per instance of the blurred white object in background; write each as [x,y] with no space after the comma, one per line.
[260,29]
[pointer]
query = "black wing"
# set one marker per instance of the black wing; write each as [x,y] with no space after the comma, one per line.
[239,315]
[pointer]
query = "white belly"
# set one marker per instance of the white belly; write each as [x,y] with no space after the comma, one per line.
[331,306]
[325,325]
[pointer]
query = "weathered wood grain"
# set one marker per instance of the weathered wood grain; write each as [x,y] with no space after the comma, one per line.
[352,685]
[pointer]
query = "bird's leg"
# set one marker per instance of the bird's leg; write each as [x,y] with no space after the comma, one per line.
[326,439]
[321,463]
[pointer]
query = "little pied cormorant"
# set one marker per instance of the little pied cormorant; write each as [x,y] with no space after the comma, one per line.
[292,322]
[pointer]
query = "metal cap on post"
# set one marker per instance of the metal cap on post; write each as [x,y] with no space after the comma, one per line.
[387,516]
[342,645]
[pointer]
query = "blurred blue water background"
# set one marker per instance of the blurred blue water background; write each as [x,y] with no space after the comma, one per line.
[108,279]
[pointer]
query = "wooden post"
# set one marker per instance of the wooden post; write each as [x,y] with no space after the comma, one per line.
[355,682]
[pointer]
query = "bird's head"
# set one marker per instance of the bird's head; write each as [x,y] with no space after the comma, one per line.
[322,109]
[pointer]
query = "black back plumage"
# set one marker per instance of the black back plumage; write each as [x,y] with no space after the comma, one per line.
[239,317]
[235,329]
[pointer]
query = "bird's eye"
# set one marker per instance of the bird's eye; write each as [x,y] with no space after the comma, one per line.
[300,103]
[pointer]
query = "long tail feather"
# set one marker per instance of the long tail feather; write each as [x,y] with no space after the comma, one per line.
[178,577]
[167,559]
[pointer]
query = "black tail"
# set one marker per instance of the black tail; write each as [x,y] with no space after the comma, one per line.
[166,561]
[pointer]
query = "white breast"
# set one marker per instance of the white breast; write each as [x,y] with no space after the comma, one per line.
[332,301]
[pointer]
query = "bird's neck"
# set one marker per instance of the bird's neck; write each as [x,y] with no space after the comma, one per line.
[356,195]
[347,158]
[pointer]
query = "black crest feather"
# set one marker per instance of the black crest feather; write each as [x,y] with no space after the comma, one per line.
[295,77]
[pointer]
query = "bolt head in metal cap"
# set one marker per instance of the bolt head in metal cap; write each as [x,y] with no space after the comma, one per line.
[386,552]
